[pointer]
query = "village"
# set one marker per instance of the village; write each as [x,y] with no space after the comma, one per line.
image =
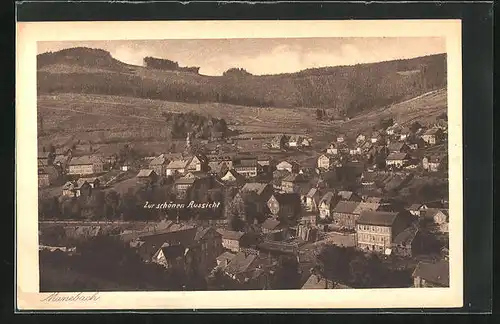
[370,210]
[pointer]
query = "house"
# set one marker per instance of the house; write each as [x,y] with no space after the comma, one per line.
[433,163]
[432,136]
[231,239]
[307,232]
[69,189]
[159,165]
[197,163]
[436,215]
[341,138]
[416,209]
[48,176]
[312,200]
[357,150]
[376,230]
[391,130]
[279,142]
[193,180]
[177,166]
[295,141]
[83,189]
[318,282]
[285,206]
[246,166]
[326,205]
[263,190]
[346,213]
[292,182]
[217,136]
[265,163]
[398,147]
[326,161]
[62,161]
[348,196]
[233,177]
[343,215]
[274,229]
[246,270]
[224,259]
[429,275]
[147,177]
[405,133]
[406,242]
[292,166]
[92,181]
[90,164]
[332,149]
[397,160]
[199,246]
[376,137]
[360,138]
[306,142]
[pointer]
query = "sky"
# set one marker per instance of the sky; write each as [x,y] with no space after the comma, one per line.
[264,55]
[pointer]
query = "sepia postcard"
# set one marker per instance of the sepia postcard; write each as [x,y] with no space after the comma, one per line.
[239,165]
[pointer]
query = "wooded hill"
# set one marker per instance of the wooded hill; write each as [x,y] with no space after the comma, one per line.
[346,89]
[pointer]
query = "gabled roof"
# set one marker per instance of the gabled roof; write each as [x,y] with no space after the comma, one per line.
[171,251]
[327,198]
[365,206]
[235,174]
[85,160]
[295,138]
[415,207]
[159,160]
[271,224]
[202,231]
[407,236]
[230,235]
[431,212]
[69,185]
[226,256]
[396,146]
[294,177]
[431,131]
[316,282]
[312,192]
[345,195]
[377,218]
[397,156]
[346,207]
[145,173]
[240,263]
[256,187]
[438,272]
[287,198]
[177,164]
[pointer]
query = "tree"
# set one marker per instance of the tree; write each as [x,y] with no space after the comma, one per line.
[332,262]
[319,114]
[112,202]
[287,274]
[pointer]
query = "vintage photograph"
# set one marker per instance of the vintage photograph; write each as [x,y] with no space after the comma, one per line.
[242,164]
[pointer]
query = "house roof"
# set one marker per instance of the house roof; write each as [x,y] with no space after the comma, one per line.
[287,198]
[294,177]
[171,251]
[278,246]
[256,187]
[312,192]
[226,256]
[396,146]
[431,212]
[415,207]
[407,236]
[61,159]
[245,162]
[280,174]
[186,180]
[346,207]
[69,185]
[295,138]
[373,200]
[271,224]
[327,198]
[287,163]
[177,164]
[316,282]
[377,218]
[345,195]
[397,156]
[431,131]
[202,231]
[159,160]
[81,181]
[438,272]
[230,235]
[86,159]
[144,173]
[235,174]
[365,206]
[240,263]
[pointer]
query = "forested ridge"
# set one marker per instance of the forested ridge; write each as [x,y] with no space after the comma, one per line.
[347,89]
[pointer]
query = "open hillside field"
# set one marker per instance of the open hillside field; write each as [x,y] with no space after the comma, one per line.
[110,121]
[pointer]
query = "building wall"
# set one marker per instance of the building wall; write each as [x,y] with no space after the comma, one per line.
[345,219]
[372,237]
[81,169]
[233,245]
[43,180]
[247,171]
[324,163]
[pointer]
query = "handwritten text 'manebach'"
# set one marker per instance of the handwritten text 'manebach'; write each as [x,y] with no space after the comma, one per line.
[191,204]
[79,297]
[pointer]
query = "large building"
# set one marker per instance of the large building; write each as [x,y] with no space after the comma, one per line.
[89,164]
[376,230]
